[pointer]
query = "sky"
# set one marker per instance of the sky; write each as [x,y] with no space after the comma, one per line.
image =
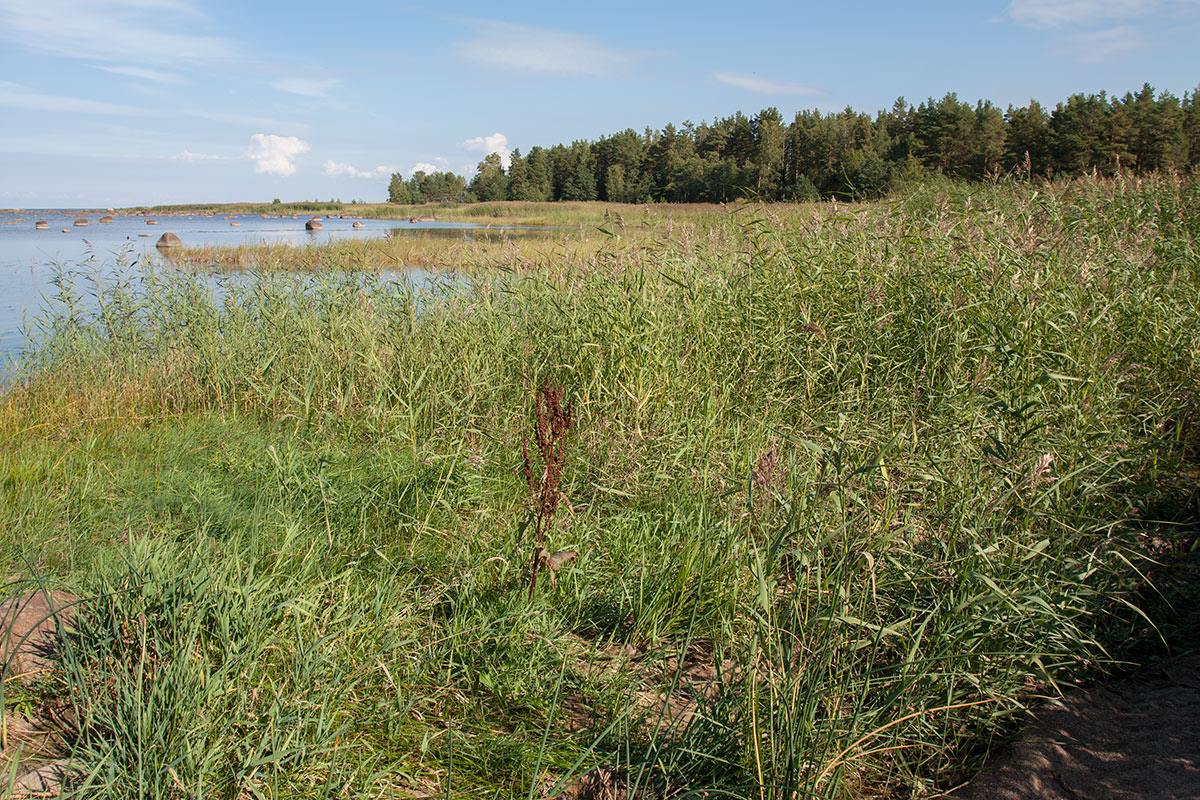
[109,103]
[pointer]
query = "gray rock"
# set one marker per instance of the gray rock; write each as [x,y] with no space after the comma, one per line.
[29,627]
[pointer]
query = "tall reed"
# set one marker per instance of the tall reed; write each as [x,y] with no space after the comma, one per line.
[849,487]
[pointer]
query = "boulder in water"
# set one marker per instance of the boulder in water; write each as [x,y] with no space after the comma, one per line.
[82,221]
[168,241]
[313,224]
[151,222]
[360,225]
[42,225]
[106,220]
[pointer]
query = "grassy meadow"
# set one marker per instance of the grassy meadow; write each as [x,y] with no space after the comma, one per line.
[849,487]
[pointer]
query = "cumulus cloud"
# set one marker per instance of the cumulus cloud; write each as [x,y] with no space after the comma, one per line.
[753,83]
[275,155]
[424,166]
[525,48]
[496,143]
[16,96]
[337,170]
[309,87]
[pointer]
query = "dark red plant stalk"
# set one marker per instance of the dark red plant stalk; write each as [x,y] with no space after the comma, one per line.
[551,423]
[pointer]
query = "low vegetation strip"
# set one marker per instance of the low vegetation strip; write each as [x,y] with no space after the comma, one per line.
[843,491]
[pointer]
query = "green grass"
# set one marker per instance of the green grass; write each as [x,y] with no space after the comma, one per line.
[852,485]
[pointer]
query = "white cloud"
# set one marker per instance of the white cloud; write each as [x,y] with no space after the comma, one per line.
[158,76]
[496,143]
[16,96]
[189,156]
[753,83]
[1095,47]
[112,30]
[309,87]
[275,155]
[424,166]
[336,170]
[1051,13]
[525,48]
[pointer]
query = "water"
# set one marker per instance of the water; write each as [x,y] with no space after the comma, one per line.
[29,258]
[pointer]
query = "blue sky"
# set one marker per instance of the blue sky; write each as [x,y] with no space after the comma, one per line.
[122,102]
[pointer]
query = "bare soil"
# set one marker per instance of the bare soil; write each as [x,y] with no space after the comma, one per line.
[1138,737]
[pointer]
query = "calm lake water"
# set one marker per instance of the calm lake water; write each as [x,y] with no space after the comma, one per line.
[29,257]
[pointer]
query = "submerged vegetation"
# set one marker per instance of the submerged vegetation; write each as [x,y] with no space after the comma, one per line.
[848,488]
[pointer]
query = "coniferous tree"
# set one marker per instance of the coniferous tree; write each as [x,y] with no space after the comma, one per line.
[847,154]
[518,176]
[1190,112]
[769,137]
[541,176]
[988,138]
[1027,143]
[398,190]
[490,183]
[1081,135]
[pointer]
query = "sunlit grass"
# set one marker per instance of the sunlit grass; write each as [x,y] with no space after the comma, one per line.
[852,485]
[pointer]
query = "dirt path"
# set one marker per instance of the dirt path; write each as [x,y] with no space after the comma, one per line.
[1136,738]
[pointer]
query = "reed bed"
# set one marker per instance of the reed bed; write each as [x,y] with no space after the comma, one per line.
[596,229]
[445,250]
[849,488]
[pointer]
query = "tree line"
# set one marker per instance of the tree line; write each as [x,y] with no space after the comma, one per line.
[847,154]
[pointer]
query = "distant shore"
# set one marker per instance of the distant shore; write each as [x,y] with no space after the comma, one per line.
[593,212]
